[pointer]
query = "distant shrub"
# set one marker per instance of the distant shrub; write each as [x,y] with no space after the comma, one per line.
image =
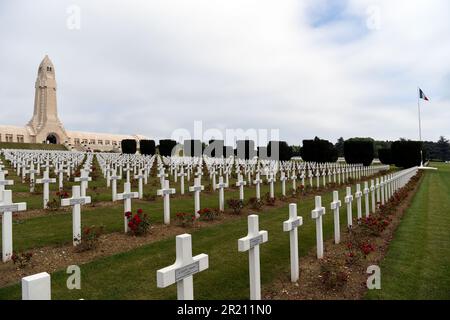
[279,150]
[385,156]
[147,147]
[128,146]
[406,154]
[245,149]
[359,150]
[318,150]
[166,146]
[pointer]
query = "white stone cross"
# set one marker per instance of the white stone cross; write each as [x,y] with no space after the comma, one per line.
[162,176]
[36,287]
[291,226]
[165,193]
[258,182]
[358,196]
[221,185]
[294,182]
[197,188]
[60,172]
[317,214]
[140,178]
[271,181]
[84,179]
[3,183]
[377,188]
[7,207]
[183,269]
[372,191]
[283,179]
[251,244]
[76,201]
[114,177]
[46,182]
[335,205]
[366,198]
[348,200]
[126,196]
[241,183]
[32,172]
[182,174]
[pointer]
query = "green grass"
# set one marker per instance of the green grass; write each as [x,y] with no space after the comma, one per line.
[417,264]
[132,275]
[32,146]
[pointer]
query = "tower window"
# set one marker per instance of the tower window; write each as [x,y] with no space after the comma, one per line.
[49,68]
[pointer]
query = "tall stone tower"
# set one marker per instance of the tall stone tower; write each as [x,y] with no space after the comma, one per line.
[45,125]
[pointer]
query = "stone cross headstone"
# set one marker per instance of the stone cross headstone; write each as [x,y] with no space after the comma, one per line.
[32,173]
[258,182]
[197,188]
[241,183]
[36,287]
[183,269]
[76,202]
[84,179]
[251,243]
[165,193]
[114,177]
[46,182]
[358,196]
[140,178]
[3,183]
[271,188]
[283,179]
[7,207]
[126,196]
[291,226]
[372,192]
[221,185]
[366,192]
[335,205]
[182,174]
[317,214]
[348,200]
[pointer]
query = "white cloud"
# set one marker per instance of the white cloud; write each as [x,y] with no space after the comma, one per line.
[154,66]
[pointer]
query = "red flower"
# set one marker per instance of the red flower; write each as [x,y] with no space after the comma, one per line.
[128,214]
[139,211]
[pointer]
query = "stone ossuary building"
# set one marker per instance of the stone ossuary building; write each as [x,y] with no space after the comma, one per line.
[45,126]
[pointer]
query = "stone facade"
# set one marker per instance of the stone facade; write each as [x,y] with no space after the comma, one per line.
[45,126]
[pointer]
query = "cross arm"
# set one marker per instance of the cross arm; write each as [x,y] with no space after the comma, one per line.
[171,274]
[248,242]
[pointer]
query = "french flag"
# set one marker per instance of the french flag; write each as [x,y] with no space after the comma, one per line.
[422,95]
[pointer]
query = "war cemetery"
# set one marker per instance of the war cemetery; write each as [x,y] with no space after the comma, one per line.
[169,216]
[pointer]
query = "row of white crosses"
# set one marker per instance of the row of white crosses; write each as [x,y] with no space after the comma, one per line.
[391,183]
[186,265]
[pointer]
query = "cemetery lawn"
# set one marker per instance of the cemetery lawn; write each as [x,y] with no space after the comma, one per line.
[132,274]
[417,264]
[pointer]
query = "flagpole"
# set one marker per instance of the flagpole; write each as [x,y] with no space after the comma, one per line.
[420,125]
[418,109]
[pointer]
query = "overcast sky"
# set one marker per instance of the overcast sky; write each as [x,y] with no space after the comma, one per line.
[310,67]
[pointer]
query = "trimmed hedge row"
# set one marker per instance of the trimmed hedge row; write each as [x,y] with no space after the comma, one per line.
[359,150]
[318,150]
[147,147]
[129,146]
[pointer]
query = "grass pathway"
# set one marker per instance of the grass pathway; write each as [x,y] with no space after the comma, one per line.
[417,264]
